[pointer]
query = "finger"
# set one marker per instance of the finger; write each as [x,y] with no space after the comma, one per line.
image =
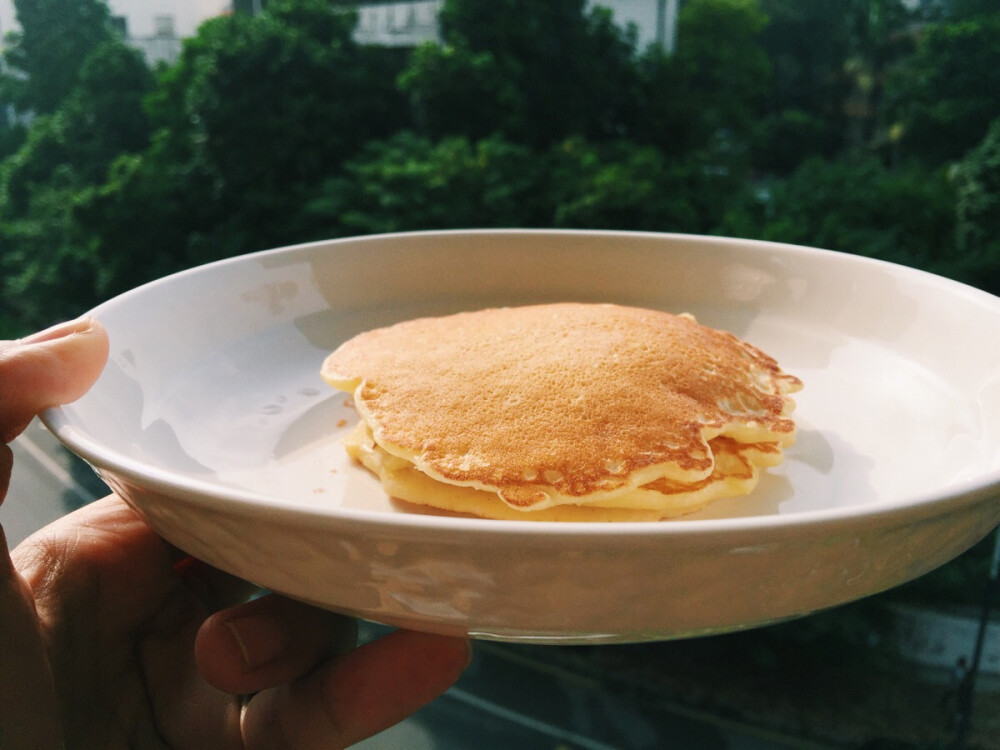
[28,715]
[267,642]
[356,695]
[55,366]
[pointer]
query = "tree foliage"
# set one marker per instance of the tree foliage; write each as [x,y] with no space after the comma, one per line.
[48,266]
[533,73]
[410,182]
[249,123]
[724,67]
[54,39]
[977,231]
[903,215]
[101,118]
[946,95]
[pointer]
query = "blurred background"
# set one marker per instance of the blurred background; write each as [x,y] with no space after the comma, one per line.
[141,137]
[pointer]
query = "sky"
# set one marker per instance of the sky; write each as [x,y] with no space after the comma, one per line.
[187,14]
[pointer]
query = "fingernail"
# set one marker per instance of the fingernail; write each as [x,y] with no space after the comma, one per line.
[60,330]
[261,639]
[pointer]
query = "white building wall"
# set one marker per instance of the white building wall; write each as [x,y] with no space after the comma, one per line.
[655,20]
[401,24]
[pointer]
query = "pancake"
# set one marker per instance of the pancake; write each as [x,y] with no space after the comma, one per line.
[551,412]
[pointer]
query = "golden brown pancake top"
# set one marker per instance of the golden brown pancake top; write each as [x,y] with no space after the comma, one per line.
[562,400]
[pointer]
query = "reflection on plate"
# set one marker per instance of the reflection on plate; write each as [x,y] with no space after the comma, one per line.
[211,419]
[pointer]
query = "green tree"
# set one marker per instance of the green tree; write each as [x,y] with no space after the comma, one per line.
[249,7]
[455,90]
[703,101]
[46,54]
[807,45]
[879,39]
[977,232]
[272,102]
[936,11]
[47,268]
[946,97]
[903,215]
[532,72]
[12,130]
[666,117]
[831,60]
[540,73]
[257,113]
[724,67]
[100,118]
[624,185]
[409,182]
[46,271]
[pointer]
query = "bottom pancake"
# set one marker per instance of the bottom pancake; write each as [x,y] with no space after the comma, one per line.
[735,473]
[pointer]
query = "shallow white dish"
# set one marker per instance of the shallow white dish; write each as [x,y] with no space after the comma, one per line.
[211,419]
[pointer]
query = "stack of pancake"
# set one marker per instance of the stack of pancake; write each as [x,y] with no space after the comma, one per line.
[563,412]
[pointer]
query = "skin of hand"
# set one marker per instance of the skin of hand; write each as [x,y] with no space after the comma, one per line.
[110,637]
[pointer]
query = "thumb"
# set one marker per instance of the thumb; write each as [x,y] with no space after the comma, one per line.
[55,366]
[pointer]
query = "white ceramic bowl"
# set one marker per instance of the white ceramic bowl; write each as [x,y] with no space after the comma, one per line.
[212,421]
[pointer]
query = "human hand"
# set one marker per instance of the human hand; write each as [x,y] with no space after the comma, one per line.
[108,636]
